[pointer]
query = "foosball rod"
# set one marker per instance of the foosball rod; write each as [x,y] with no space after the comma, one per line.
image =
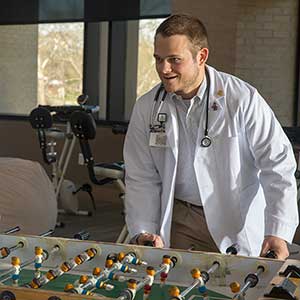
[200,279]
[5,251]
[12,230]
[251,281]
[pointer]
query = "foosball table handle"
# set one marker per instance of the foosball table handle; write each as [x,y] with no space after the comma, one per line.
[7,295]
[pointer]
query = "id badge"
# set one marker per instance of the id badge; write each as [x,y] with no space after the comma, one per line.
[158,139]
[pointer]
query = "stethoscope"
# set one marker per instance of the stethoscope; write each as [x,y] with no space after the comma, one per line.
[162,117]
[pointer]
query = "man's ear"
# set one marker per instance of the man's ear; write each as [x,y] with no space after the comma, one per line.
[202,56]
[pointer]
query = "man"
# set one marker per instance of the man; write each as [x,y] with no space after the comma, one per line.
[207,163]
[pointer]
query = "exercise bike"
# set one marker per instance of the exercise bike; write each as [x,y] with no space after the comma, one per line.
[84,128]
[42,119]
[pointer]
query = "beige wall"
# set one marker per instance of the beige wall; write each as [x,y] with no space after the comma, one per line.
[266,51]
[220,20]
[254,40]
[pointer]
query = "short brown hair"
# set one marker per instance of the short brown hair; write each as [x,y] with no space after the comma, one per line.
[187,25]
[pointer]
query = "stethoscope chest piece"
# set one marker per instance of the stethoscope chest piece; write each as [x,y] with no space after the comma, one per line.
[206,141]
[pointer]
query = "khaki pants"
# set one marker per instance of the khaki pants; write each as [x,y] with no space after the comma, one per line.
[189,229]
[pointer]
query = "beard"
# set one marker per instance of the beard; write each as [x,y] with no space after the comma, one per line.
[185,85]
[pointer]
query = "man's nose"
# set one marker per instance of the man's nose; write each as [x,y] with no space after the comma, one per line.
[166,67]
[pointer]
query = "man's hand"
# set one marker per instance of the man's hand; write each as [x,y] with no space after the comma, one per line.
[278,245]
[146,237]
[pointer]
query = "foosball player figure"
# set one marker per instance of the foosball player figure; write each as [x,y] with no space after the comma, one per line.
[150,276]
[78,259]
[65,267]
[120,256]
[34,283]
[110,260]
[82,280]
[70,288]
[50,275]
[166,261]
[174,292]
[104,285]
[235,287]
[15,261]
[130,292]
[131,285]
[130,258]
[38,261]
[96,273]
[196,274]
[4,251]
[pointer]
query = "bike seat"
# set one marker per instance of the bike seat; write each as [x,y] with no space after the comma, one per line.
[114,166]
[110,170]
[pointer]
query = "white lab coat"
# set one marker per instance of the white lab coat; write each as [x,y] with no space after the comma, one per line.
[245,178]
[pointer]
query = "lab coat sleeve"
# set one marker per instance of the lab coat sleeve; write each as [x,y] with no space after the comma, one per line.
[274,158]
[143,183]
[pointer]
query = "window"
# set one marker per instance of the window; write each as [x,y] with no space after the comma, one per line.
[120,66]
[60,63]
[147,76]
[40,64]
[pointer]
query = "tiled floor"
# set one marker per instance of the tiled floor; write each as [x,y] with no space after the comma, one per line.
[105,224]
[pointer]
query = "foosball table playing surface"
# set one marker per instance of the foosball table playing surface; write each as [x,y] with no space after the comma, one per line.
[51,268]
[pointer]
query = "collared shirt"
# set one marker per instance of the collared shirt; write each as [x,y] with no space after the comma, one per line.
[188,112]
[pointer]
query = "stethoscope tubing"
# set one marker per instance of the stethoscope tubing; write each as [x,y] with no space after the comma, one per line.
[161,103]
[206,140]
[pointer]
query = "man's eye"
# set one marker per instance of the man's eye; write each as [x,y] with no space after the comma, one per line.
[176,60]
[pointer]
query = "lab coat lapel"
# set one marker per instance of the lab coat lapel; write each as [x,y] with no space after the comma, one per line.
[216,104]
[172,132]
[215,115]
[172,129]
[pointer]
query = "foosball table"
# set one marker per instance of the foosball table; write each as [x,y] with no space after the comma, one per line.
[51,268]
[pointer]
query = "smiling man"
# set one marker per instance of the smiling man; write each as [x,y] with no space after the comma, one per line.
[207,163]
[176,65]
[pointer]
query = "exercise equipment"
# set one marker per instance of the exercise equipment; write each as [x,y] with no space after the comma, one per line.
[42,119]
[84,128]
